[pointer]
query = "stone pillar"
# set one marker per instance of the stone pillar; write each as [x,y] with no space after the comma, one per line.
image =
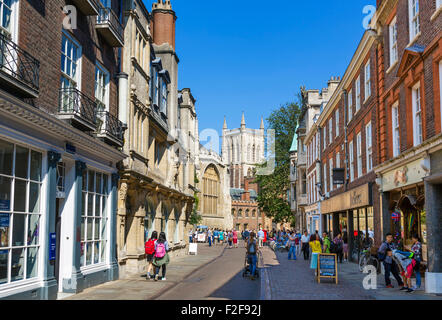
[433,208]
[113,262]
[50,287]
[76,283]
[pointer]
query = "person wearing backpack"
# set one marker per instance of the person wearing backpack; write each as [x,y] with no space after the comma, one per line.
[251,254]
[149,250]
[161,257]
[339,246]
[385,256]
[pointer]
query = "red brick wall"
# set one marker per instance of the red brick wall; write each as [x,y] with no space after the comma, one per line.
[40,33]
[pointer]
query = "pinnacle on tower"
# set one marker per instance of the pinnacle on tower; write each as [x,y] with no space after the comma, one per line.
[225,124]
[162,4]
[243,121]
[262,124]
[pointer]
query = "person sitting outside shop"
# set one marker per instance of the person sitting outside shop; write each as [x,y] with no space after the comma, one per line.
[385,255]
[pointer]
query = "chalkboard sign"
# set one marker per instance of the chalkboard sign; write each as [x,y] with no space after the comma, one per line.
[327,266]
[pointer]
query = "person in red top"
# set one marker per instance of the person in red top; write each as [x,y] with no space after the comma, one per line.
[265,236]
[235,238]
[150,253]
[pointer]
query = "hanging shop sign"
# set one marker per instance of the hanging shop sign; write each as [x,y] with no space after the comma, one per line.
[338,176]
[52,246]
[4,205]
[409,174]
[327,266]
[356,198]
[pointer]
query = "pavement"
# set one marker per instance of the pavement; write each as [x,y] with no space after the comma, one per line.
[137,287]
[284,279]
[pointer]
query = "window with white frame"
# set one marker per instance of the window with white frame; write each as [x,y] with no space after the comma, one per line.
[324,132]
[338,160]
[413,9]
[395,129]
[358,93]
[331,173]
[367,81]
[20,212]
[156,93]
[325,178]
[393,42]
[101,87]
[330,130]
[70,60]
[9,18]
[369,146]
[417,115]
[350,104]
[337,122]
[359,153]
[438,4]
[94,218]
[352,162]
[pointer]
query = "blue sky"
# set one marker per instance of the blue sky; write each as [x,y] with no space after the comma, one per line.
[253,55]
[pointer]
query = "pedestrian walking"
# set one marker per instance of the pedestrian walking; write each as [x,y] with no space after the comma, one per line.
[251,254]
[315,245]
[305,245]
[385,254]
[345,245]
[216,237]
[339,244]
[209,237]
[260,237]
[416,248]
[161,258]
[230,239]
[326,244]
[235,238]
[221,237]
[292,246]
[191,236]
[149,249]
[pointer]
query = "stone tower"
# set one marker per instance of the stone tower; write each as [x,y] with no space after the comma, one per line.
[242,149]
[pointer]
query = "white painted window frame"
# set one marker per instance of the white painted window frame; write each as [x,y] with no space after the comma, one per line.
[359,153]
[352,163]
[369,146]
[367,82]
[358,94]
[395,129]
[416,98]
[394,56]
[413,18]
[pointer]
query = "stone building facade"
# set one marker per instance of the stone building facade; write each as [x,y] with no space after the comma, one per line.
[60,141]
[155,191]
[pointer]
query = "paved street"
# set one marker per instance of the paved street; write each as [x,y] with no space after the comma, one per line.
[294,280]
[215,273]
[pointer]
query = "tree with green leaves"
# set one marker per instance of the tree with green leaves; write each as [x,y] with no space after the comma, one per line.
[272,196]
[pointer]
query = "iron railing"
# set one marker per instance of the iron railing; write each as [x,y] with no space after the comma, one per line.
[75,102]
[107,15]
[17,64]
[110,125]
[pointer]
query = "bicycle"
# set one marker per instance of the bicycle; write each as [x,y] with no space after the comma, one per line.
[367,259]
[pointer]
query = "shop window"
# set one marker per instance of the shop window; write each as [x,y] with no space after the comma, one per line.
[94,218]
[149,220]
[20,212]
[176,236]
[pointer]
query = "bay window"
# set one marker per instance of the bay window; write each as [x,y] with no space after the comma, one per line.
[20,212]
[94,218]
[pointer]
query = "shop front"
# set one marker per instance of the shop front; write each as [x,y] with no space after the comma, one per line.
[351,214]
[57,206]
[404,193]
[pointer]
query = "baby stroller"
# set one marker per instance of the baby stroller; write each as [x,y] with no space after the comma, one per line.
[247,267]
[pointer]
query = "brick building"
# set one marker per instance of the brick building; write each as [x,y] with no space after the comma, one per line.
[409,69]
[59,145]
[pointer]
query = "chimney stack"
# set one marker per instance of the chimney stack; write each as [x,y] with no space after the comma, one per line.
[163,23]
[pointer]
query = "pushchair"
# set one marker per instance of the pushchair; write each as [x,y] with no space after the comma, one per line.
[247,266]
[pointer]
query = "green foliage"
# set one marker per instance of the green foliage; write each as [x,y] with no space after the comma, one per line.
[195,218]
[272,196]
